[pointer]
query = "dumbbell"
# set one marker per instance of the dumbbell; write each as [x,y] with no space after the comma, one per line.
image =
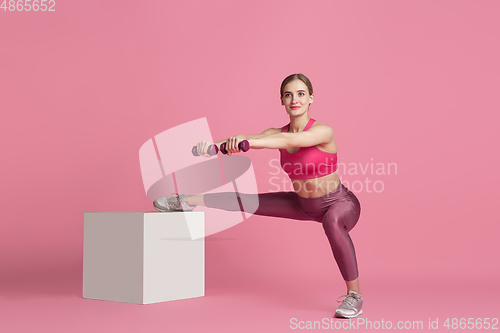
[243,145]
[212,150]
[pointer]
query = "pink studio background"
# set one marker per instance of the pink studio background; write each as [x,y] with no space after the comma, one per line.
[408,82]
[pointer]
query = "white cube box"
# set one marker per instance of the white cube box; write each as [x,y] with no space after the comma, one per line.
[143,257]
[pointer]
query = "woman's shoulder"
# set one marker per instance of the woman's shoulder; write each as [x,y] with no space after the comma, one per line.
[331,146]
[319,123]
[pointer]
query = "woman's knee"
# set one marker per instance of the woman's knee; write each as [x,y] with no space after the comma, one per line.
[343,215]
[332,224]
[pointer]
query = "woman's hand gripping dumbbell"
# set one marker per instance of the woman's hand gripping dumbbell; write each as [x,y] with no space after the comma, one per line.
[208,150]
[234,145]
[205,149]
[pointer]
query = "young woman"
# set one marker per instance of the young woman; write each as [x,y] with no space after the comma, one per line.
[309,156]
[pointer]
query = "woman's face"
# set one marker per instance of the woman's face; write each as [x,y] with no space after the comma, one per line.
[296,98]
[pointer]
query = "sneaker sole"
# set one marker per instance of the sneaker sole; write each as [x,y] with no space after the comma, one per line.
[354,316]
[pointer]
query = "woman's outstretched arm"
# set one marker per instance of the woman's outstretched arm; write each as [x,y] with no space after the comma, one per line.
[312,137]
[273,141]
[269,131]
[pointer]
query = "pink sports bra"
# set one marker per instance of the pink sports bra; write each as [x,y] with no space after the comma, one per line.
[307,162]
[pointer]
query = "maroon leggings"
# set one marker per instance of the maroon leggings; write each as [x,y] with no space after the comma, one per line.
[338,211]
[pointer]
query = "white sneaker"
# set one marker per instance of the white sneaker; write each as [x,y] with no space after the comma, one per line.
[173,203]
[351,305]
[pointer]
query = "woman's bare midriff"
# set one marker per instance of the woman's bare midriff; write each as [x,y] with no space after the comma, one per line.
[316,187]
